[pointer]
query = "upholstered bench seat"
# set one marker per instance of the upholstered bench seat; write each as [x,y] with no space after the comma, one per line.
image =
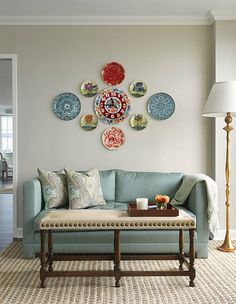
[109,206]
[112,219]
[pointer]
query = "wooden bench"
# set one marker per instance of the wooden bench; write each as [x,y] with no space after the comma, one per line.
[117,221]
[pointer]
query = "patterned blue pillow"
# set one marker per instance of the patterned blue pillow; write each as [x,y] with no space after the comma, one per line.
[84,189]
[54,188]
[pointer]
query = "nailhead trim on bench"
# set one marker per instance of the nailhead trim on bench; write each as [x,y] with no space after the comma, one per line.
[105,225]
[105,220]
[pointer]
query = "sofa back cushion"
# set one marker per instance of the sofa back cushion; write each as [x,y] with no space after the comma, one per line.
[131,184]
[107,179]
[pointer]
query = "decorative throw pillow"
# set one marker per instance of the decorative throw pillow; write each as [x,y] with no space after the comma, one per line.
[84,189]
[54,187]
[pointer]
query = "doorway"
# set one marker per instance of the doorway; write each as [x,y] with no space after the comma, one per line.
[8,210]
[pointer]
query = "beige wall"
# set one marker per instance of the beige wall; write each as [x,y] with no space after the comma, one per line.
[54,59]
[5,85]
[225,69]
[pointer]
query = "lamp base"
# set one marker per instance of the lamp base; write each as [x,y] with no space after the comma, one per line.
[227,246]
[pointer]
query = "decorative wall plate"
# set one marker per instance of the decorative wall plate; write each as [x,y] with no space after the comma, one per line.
[66,106]
[138,122]
[89,88]
[89,122]
[113,138]
[160,106]
[113,73]
[137,88]
[112,105]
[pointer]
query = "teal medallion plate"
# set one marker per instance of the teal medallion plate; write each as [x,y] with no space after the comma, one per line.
[160,106]
[66,106]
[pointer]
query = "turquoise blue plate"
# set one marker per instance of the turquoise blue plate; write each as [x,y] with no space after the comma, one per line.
[160,106]
[66,106]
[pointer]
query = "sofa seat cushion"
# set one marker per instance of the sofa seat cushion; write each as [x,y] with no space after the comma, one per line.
[112,206]
[130,185]
[109,206]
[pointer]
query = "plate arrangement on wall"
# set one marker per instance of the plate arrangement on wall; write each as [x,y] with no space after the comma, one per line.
[112,105]
[113,138]
[161,106]
[66,106]
[113,73]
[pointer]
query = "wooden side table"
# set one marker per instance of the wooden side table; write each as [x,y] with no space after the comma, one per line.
[117,221]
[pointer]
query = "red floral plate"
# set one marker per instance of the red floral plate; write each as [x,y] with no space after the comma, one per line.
[113,138]
[113,73]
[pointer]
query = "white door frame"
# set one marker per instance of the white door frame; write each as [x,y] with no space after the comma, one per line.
[13,58]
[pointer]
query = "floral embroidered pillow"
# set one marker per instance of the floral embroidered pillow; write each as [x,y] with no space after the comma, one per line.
[54,188]
[84,189]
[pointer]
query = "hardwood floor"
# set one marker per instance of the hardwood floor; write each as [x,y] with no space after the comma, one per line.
[6,220]
[6,186]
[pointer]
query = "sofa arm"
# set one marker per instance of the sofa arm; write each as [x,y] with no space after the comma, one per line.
[197,203]
[32,205]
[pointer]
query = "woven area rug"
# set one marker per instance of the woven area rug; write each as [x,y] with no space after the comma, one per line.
[215,282]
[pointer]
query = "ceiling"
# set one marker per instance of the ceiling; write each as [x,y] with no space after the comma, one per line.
[72,10]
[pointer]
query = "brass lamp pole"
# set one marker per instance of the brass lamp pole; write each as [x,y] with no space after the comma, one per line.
[227,246]
[222,100]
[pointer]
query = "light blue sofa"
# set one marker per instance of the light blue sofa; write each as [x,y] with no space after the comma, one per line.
[119,188]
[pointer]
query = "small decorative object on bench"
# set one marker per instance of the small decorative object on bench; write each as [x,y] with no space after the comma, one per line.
[142,203]
[152,210]
[162,201]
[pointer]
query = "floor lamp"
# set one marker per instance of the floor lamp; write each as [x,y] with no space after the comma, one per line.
[222,103]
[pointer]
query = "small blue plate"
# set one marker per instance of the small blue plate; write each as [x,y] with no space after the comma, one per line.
[160,106]
[66,106]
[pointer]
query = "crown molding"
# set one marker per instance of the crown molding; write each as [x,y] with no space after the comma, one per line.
[105,20]
[227,16]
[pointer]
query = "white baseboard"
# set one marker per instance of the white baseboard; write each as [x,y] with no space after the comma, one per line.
[19,233]
[220,235]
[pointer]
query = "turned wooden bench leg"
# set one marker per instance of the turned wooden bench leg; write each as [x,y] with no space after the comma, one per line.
[191,258]
[50,252]
[181,249]
[42,259]
[117,257]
